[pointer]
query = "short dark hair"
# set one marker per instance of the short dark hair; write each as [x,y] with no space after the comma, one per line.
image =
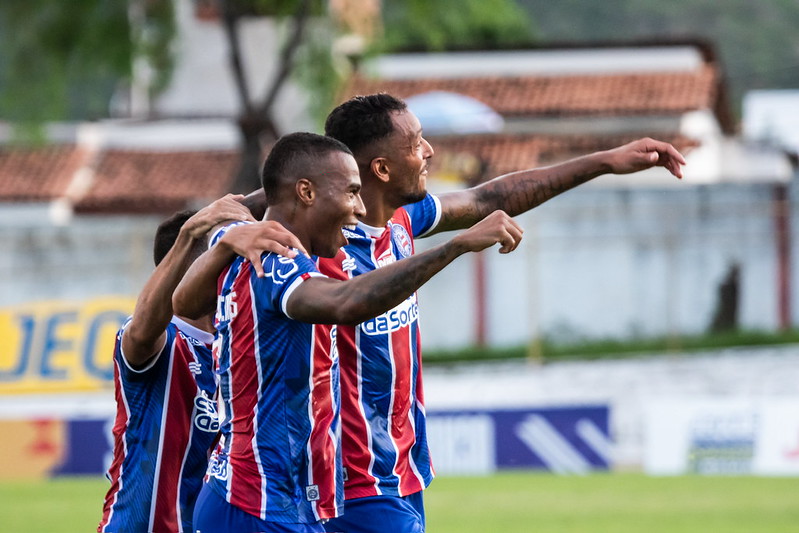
[167,233]
[294,156]
[362,120]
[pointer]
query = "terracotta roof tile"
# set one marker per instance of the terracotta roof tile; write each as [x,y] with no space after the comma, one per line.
[37,174]
[163,182]
[135,181]
[584,95]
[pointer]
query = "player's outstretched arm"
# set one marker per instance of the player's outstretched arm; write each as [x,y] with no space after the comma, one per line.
[326,301]
[145,335]
[521,191]
[195,295]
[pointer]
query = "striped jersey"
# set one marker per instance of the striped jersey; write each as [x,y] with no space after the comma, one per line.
[165,426]
[384,439]
[278,457]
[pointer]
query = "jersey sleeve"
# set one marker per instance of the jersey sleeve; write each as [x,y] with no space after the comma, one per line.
[424,215]
[282,276]
[135,374]
[220,232]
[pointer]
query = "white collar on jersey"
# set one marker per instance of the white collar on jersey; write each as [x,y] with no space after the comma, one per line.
[191,331]
[372,231]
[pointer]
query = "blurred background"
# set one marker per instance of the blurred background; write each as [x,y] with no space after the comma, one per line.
[646,324]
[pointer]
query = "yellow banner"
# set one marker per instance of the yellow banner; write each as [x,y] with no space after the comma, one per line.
[60,346]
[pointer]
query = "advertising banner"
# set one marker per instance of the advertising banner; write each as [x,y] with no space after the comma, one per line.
[60,346]
[44,448]
[716,436]
[566,440]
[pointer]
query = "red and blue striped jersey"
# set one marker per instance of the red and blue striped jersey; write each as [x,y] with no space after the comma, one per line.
[278,457]
[384,439]
[165,426]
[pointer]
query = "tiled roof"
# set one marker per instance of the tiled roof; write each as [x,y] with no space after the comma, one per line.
[163,182]
[37,174]
[561,96]
[135,181]
[122,181]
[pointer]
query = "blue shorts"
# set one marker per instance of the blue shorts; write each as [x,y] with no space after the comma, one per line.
[381,514]
[212,514]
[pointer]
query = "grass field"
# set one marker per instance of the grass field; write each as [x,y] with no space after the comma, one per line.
[518,502]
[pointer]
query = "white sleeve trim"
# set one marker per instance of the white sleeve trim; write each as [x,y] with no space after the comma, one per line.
[212,240]
[437,218]
[284,300]
[152,362]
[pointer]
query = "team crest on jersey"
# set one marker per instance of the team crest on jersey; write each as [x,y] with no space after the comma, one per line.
[401,238]
[312,493]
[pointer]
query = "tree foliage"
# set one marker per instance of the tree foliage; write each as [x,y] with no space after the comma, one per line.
[449,24]
[63,60]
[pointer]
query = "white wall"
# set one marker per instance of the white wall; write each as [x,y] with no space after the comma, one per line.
[90,256]
[596,262]
[602,262]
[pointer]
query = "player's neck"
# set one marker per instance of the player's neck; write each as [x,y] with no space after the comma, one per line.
[205,323]
[291,222]
[378,207]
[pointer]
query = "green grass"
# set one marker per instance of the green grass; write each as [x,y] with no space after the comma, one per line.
[515,502]
[547,350]
[66,505]
[613,503]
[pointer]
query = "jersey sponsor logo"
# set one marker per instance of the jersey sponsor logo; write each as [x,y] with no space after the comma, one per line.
[333,343]
[282,269]
[386,258]
[403,315]
[226,307]
[207,418]
[217,467]
[402,240]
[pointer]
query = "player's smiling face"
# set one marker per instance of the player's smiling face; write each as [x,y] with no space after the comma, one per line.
[338,204]
[410,157]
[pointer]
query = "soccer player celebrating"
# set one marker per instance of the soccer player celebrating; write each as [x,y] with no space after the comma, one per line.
[384,443]
[164,383]
[277,467]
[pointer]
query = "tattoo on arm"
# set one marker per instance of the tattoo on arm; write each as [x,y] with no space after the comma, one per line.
[368,295]
[400,282]
[513,193]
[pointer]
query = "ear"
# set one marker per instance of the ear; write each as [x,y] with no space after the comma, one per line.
[306,191]
[379,168]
